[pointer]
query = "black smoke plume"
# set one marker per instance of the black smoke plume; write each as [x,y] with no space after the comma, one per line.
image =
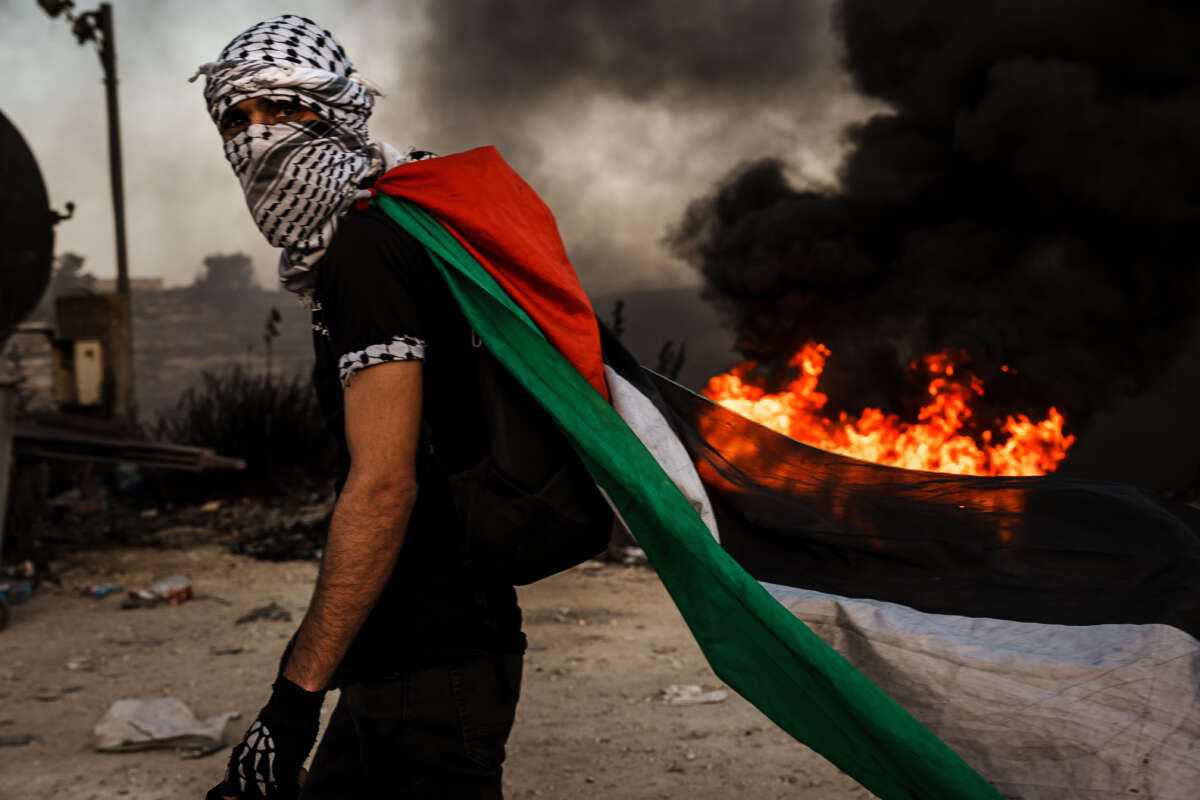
[1032,196]
[507,55]
[503,72]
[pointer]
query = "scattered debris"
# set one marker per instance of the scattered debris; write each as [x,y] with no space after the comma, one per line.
[581,615]
[179,537]
[678,694]
[173,590]
[272,613]
[66,501]
[153,722]
[25,569]
[27,573]
[15,592]
[226,651]
[292,528]
[632,556]
[135,642]
[16,739]
[213,599]
[81,663]
[99,590]
[202,750]
[281,534]
[127,481]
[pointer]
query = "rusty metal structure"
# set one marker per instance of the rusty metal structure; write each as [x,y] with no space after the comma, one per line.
[92,347]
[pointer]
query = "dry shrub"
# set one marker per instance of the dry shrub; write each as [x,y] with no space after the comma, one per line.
[274,423]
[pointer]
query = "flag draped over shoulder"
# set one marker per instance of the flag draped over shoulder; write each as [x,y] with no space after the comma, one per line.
[1028,638]
[506,228]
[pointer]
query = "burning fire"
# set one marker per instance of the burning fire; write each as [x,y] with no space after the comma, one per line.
[937,442]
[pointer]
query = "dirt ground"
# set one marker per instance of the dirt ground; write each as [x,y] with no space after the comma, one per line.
[604,640]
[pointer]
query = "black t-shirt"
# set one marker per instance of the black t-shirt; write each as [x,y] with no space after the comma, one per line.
[380,299]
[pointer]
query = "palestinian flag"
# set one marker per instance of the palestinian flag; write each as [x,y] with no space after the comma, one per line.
[934,636]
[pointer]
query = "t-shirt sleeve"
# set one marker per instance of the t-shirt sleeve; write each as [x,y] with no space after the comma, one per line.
[369,289]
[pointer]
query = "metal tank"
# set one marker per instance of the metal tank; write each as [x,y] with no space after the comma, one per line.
[26,230]
[26,247]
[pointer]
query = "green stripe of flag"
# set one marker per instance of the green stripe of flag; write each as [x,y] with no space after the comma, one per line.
[752,642]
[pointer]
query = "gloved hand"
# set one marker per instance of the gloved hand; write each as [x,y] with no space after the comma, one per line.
[267,762]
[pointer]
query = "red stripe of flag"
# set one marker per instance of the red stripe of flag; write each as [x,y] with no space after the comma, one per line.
[507,228]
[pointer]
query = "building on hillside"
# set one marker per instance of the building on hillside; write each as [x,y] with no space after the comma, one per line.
[109,285]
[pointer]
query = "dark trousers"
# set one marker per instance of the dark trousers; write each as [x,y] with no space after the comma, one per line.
[434,733]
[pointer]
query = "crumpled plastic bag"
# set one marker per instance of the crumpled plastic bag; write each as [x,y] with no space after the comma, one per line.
[148,722]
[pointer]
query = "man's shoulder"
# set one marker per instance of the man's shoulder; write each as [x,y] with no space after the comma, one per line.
[369,241]
[370,224]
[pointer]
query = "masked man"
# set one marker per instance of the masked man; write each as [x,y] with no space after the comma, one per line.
[427,653]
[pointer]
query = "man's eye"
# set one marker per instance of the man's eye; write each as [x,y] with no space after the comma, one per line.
[232,121]
[287,110]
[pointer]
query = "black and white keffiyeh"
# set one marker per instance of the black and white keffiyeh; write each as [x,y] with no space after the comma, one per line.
[290,58]
[298,177]
[400,348]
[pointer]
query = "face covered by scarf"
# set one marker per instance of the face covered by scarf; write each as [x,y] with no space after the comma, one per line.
[299,177]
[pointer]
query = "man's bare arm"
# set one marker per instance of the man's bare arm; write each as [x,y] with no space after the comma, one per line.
[383,417]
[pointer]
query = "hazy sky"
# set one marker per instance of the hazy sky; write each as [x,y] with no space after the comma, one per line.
[618,113]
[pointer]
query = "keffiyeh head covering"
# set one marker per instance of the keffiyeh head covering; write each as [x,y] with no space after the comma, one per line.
[299,177]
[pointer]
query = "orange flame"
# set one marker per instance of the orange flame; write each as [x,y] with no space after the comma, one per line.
[935,443]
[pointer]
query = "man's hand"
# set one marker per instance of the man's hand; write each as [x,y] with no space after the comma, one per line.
[303,776]
[268,761]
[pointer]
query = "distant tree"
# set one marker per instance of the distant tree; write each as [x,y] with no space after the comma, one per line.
[67,278]
[224,274]
[671,358]
[617,321]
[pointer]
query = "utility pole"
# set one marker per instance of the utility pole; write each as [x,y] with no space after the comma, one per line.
[97,26]
[108,59]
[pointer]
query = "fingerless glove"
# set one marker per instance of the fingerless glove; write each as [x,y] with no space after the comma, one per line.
[267,762]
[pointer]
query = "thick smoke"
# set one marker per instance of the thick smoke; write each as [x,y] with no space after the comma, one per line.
[492,62]
[1030,197]
[506,53]
[618,113]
